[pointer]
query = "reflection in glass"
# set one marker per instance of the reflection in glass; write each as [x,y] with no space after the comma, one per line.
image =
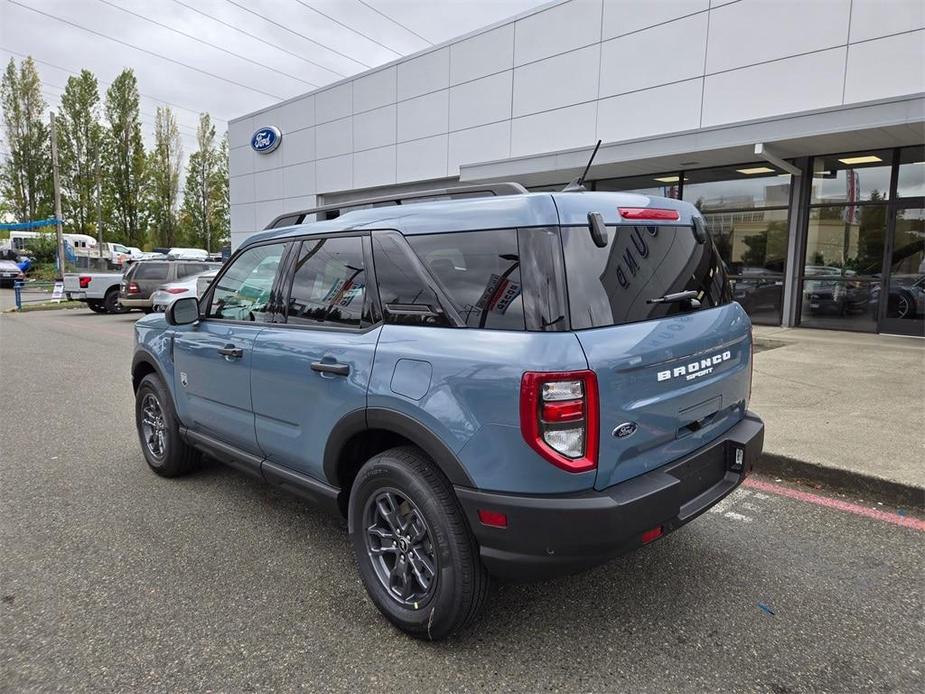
[851,178]
[906,288]
[911,181]
[643,185]
[751,241]
[845,240]
[761,297]
[728,188]
[839,304]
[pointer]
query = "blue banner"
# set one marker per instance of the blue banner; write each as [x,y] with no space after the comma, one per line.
[25,226]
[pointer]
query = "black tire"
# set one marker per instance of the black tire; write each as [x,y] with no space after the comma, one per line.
[459,585]
[111,302]
[96,306]
[175,457]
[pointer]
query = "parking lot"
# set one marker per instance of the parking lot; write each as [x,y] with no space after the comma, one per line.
[115,579]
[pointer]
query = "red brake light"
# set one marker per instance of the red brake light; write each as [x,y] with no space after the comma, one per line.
[176,290]
[648,213]
[132,288]
[559,417]
[495,519]
[84,281]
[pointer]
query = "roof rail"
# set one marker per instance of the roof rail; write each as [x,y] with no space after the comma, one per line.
[505,188]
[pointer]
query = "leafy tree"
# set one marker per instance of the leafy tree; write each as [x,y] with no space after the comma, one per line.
[124,159]
[26,176]
[205,197]
[163,180]
[79,139]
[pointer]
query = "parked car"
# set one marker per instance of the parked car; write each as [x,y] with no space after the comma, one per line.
[98,290]
[145,276]
[194,285]
[9,273]
[188,254]
[523,385]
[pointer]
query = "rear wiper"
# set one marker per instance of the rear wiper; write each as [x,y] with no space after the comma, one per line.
[689,296]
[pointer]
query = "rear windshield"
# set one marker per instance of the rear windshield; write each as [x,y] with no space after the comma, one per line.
[150,271]
[611,286]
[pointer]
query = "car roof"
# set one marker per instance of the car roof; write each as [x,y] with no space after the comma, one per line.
[496,212]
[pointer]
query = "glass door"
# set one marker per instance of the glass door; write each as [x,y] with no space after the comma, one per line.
[902,303]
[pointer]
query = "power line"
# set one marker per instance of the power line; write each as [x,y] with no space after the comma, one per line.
[207,43]
[348,28]
[296,33]
[144,50]
[257,38]
[397,23]
[75,72]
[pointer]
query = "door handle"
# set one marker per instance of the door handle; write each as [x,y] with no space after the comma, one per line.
[231,352]
[331,368]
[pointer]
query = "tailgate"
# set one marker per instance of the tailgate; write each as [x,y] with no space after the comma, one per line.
[72,282]
[667,386]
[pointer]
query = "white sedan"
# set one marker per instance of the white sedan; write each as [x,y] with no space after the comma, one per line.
[194,285]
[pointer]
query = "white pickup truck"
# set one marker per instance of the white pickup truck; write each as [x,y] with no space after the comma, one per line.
[99,290]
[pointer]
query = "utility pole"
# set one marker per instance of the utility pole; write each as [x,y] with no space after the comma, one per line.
[99,203]
[59,232]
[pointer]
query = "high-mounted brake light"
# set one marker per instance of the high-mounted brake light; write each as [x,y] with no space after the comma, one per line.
[84,281]
[559,417]
[649,213]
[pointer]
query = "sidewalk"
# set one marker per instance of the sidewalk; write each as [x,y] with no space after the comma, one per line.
[848,408]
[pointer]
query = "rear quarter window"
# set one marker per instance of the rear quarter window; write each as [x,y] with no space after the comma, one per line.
[151,271]
[612,285]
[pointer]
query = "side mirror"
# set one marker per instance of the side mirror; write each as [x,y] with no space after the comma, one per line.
[183,311]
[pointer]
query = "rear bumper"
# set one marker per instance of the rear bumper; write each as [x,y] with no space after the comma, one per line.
[135,303]
[553,535]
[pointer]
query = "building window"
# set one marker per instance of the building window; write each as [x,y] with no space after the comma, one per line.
[911,174]
[666,185]
[852,178]
[746,208]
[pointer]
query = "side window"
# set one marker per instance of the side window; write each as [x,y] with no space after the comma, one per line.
[151,271]
[480,272]
[407,299]
[187,269]
[243,292]
[329,283]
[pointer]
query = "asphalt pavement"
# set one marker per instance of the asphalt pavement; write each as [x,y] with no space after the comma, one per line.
[112,578]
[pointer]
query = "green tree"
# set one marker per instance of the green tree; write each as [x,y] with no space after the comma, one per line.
[124,159]
[163,180]
[79,139]
[26,177]
[204,215]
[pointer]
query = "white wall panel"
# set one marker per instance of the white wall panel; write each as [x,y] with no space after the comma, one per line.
[481,101]
[264,161]
[241,188]
[240,131]
[374,128]
[422,159]
[334,174]
[423,74]
[242,218]
[557,30]
[886,67]
[556,82]
[241,159]
[485,54]
[266,212]
[295,115]
[485,143]
[796,84]
[565,128]
[629,63]
[755,31]
[374,167]
[298,147]
[423,116]
[874,18]
[269,185]
[626,16]
[666,109]
[334,103]
[334,138]
[299,180]
[375,90]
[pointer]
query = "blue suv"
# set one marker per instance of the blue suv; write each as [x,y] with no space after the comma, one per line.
[519,385]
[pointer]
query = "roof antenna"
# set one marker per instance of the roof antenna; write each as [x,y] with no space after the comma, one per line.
[578,184]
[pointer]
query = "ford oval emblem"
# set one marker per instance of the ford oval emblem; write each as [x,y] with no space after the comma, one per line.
[624,430]
[266,139]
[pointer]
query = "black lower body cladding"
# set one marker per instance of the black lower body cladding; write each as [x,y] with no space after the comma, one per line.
[553,535]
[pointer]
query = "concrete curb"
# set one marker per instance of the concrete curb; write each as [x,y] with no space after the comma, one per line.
[876,488]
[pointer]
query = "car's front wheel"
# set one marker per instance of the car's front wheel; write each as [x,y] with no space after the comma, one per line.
[159,432]
[415,552]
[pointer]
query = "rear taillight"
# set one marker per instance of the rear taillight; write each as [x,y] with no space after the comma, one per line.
[648,213]
[559,417]
[84,281]
[132,288]
[751,366]
[176,290]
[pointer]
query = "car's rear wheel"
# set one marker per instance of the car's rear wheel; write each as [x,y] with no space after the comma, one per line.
[96,306]
[111,302]
[159,432]
[414,550]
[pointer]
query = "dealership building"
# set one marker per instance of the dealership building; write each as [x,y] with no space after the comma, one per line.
[797,128]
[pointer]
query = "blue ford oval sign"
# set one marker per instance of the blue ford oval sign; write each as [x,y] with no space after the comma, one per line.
[266,139]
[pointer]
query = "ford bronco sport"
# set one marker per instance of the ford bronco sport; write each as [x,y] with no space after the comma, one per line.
[518,384]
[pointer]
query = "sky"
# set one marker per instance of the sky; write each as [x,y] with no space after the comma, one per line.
[228,57]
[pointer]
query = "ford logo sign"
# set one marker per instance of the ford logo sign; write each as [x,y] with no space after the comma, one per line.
[624,430]
[266,139]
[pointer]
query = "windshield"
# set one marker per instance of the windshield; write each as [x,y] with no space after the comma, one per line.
[616,284]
